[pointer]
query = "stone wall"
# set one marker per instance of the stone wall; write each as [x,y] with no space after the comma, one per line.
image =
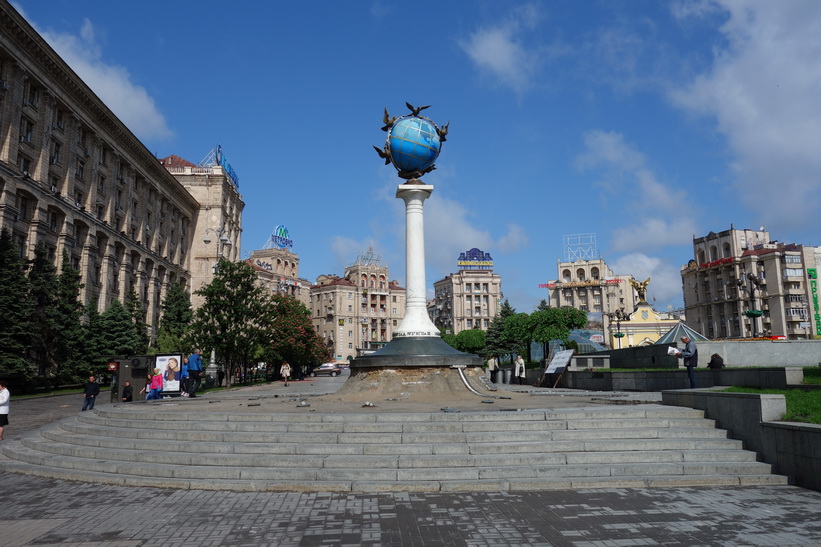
[793,449]
[769,378]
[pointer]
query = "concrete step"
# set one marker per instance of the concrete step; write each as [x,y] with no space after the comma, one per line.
[164,445]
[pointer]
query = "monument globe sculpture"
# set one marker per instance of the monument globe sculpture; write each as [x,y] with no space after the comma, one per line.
[412,145]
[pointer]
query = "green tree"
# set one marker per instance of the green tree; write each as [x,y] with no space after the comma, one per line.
[231,317]
[15,320]
[292,337]
[175,320]
[543,305]
[495,342]
[518,333]
[556,324]
[449,339]
[42,282]
[137,313]
[471,341]
[69,344]
[119,335]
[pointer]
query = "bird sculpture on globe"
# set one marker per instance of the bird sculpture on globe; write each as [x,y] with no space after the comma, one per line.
[413,142]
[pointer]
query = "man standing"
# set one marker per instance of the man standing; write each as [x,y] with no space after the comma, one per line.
[690,356]
[194,372]
[90,392]
[493,367]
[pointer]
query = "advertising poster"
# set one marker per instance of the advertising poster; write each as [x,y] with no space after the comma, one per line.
[170,367]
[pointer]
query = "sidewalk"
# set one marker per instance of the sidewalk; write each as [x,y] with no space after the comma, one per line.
[38,511]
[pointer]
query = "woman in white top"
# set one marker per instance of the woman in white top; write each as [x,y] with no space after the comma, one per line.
[285,372]
[4,407]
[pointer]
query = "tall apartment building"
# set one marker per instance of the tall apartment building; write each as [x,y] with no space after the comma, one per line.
[75,179]
[217,225]
[357,313]
[591,286]
[742,284]
[470,298]
[278,271]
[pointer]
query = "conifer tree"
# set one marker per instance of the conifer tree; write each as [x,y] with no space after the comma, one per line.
[15,320]
[175,320]
[137,313]
[42,283]
[69,347]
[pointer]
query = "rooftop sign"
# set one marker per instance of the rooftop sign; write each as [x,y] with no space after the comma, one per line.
[475,259]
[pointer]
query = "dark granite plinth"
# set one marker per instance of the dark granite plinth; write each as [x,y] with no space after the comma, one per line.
[427,351]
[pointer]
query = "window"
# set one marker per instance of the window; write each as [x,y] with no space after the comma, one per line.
[792,259]
[32,97]
[24,164]
[484,287]
[82,137]
[393,311]
[350,345]
[59,121]
[56,149]
[80,172]
[22,208]
[52,221]
[26,130]
[101,186]
[793,272]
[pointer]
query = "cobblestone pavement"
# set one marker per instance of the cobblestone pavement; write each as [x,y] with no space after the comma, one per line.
[48,512]
[39,511]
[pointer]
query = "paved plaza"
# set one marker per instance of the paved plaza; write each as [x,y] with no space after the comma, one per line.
[40,511]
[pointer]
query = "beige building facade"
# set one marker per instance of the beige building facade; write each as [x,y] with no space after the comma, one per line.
[75,179]
[591,286]
[278,272]
[357,313]
[217,224]
[741,284]
[468,299]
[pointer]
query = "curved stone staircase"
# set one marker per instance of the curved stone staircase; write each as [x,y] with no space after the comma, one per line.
[587,447]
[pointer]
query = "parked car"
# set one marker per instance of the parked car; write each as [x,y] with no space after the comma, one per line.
[326,368]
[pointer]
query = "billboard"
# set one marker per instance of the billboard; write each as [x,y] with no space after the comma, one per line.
[475,259]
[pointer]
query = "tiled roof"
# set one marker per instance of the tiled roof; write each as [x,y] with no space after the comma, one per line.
[175,161]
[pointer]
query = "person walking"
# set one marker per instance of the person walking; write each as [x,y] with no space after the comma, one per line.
[128,392]
[4,407]
[184,378]
[285,372]
[194,372]
[90,392]
[493,367]
[156,385]
[519,370]
[690,356]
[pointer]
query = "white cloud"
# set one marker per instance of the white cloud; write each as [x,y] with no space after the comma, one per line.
[665,279]
[663,215]
[762,90]
[501,53]
[112,83]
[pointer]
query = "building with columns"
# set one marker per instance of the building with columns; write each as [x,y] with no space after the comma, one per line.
[469,298]
[742,284]
[75,179]
[357,313]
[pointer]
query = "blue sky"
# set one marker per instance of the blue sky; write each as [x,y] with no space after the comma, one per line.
[643,122]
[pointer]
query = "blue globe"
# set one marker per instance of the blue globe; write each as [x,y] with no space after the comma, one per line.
[414,144]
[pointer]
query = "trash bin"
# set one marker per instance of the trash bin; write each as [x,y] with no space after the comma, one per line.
[210,381]
[507,375]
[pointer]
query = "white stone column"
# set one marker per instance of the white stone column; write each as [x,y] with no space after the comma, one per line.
[416,321]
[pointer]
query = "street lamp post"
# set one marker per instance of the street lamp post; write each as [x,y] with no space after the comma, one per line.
[223,241]
[618,316]
[753,281]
